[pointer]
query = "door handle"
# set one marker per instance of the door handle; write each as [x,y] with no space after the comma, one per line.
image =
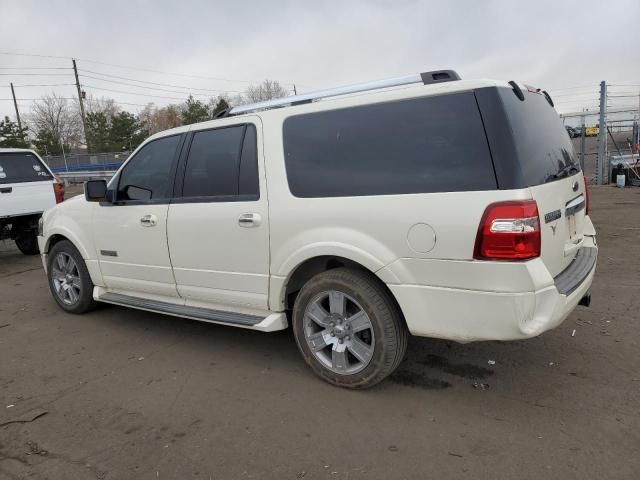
[249,220]
[149,221]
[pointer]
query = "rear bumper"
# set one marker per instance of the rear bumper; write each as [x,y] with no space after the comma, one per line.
[468,315]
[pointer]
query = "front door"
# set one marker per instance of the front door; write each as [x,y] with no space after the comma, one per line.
[131,231]
[218,224]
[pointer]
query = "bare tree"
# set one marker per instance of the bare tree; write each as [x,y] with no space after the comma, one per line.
[104,105]
[267,90]
[55,115]
[157,119]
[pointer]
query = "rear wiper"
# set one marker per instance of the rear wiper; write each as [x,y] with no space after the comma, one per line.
[565,171]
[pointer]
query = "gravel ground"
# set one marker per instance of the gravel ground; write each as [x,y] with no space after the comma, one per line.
[124,394]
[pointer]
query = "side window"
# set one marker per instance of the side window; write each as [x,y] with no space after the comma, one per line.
[148,175]
[220,164]
[422,145]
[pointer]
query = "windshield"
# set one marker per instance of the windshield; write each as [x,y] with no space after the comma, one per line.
[19,167]
[544,149]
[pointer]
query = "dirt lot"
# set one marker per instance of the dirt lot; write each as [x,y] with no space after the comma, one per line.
[133,395]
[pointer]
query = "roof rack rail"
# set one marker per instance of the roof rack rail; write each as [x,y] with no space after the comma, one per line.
[436,76]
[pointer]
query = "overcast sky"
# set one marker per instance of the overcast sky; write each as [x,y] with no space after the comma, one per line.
[555,45]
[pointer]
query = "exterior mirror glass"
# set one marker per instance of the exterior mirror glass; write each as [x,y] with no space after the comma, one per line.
[95,190]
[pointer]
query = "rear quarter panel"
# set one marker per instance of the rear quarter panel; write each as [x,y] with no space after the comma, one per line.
[370,230]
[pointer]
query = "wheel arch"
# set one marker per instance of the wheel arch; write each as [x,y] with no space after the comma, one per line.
[91,264]
[59,236]
[311,267]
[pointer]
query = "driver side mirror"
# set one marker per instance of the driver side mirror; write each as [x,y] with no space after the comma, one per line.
[95,190]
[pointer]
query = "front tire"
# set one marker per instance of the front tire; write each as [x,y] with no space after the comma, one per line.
[69,279]
[348,328]
[27,243]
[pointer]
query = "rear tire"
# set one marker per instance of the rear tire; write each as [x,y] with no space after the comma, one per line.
[69,279]
[348,328]
[27,243]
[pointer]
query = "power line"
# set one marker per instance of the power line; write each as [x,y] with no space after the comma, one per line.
[70,98]
[153,83]
[572,94]
[128,67]
[171,73]
[36,74]
[135,93]
[32,55]
[46,85]
[34,99]
[144,86]
[572,88]
[36,68]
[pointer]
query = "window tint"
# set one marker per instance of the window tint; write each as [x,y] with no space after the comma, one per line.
[433,144]
[149,174]
[213,165]
[248,184]
[22,167]
[544,149]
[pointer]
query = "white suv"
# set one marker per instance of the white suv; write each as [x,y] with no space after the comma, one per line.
[27,188]
[432,206]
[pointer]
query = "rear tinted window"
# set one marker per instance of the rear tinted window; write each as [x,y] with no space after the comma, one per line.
[433,144]
[222,162]
[544,149]
[213,163]
[22,167]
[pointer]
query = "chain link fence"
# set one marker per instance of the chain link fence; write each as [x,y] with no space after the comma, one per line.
[76,162]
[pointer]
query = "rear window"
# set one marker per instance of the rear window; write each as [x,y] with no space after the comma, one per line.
[22,167]
[544,149]
[422,145]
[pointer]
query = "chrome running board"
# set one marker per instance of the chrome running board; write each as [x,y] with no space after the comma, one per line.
[195,313]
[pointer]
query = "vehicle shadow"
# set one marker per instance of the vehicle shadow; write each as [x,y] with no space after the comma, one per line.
[430,364]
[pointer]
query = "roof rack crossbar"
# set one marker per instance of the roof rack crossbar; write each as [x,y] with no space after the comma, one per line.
[425,78]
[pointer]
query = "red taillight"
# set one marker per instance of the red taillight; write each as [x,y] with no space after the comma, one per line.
[509,231]
[58,190]
[586,196]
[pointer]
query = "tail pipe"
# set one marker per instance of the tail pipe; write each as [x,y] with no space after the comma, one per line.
[585,301]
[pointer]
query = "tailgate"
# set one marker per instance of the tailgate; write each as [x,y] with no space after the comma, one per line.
[561,205]
[25,198]
[531,149]
[26,184]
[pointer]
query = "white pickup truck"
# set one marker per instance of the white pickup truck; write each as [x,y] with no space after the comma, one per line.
[27,188]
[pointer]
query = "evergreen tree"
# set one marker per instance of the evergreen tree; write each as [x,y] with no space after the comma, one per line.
[221,105]
[98,132]
[47,143]
[194,111]
[12,136]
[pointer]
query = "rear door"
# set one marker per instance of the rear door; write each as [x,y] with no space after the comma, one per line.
[542,158]
[25,184]
[218,224]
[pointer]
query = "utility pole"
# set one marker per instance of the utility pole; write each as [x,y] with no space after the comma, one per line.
[15,104]
[602,136]
[84,122]
[66,167]
[295,92]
